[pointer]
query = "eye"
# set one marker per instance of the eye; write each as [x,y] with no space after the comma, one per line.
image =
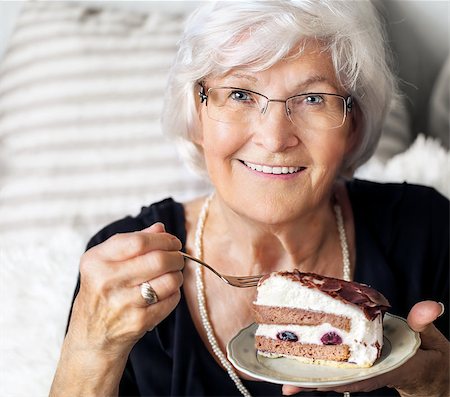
[241,95]
[313,99]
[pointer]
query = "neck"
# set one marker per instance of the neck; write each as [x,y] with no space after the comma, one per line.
[255,248]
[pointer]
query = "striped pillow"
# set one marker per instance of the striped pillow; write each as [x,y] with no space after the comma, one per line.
[80,99]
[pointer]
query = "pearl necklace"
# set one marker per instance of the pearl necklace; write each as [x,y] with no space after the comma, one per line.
[201,297]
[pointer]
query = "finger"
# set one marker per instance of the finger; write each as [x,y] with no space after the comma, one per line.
[123,246]
[164,286]
[106,278]
[157,227]
[127,315]
[420,319]
[288,390]
[158,312]
[365,386]
[146,267]
[424,313]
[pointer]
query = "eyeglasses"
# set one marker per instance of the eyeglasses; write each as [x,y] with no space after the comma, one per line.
[314,109]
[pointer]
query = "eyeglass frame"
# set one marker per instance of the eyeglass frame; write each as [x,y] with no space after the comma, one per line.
[348,101]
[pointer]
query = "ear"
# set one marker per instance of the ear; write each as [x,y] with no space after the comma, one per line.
[354,133]
[197,127]
[353,139]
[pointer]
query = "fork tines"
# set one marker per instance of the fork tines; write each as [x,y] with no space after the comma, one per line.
[249,280]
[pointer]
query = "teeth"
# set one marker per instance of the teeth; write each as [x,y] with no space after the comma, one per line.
[272,170]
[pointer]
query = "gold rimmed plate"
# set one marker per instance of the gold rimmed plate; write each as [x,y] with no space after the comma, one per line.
[400,344]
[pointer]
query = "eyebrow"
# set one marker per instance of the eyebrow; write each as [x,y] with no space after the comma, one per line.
[244,76]
[301,85]
[311,80]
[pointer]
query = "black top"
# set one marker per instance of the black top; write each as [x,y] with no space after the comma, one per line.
[402,250]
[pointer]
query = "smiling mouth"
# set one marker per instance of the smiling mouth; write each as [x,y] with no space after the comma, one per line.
[272,170]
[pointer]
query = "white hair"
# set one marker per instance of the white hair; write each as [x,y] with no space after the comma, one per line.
[255,35]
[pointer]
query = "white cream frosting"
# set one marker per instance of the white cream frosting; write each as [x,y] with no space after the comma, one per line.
[363,335]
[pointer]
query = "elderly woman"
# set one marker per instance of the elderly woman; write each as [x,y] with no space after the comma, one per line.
[278,103]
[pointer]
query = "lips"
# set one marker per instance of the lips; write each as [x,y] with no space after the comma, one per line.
[275,170]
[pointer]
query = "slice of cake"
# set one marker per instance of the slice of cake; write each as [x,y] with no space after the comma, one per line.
[319,319]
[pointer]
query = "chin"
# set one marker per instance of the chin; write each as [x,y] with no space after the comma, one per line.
[269,202]
[268,211]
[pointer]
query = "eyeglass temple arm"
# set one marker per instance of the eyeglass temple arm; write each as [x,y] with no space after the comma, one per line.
[202,95]
[349,103]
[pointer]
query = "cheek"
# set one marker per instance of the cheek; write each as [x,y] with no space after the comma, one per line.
[331,155]
[327,151]
[220,140]
[327,154]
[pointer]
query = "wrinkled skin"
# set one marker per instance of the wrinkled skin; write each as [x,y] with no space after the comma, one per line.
[109,314]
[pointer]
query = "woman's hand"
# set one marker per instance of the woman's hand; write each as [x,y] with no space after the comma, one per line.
[426,374]
[109,314]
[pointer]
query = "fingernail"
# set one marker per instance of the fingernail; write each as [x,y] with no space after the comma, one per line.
[160,224]
[442,309]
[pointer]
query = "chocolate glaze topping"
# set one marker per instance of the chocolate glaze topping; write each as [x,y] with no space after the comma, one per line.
[366,298]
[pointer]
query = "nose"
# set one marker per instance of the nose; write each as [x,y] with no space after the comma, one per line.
[274,130]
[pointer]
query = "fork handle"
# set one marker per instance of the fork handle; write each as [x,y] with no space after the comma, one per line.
[193,258]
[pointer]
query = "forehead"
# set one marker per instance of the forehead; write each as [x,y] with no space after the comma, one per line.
[308,64]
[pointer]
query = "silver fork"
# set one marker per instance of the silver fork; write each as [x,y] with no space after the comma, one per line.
[235,281]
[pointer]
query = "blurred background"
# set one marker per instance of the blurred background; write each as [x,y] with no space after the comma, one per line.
[81,88]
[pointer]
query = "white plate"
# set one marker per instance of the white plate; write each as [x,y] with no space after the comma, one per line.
[400,344]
